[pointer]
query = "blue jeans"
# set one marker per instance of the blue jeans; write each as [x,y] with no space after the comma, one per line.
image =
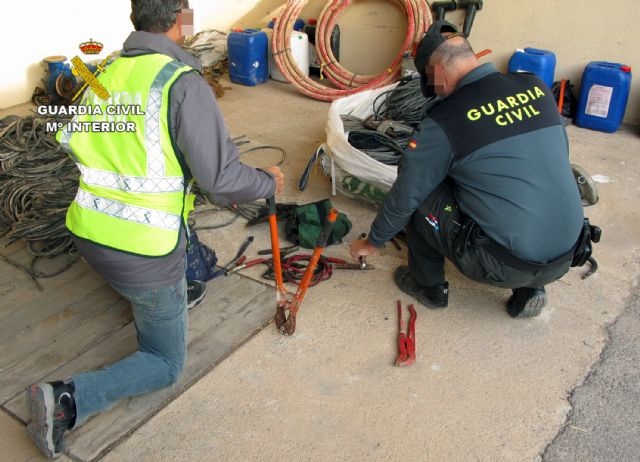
[160,317]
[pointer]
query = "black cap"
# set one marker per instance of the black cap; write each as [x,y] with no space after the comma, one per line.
[428,45]
[432,40]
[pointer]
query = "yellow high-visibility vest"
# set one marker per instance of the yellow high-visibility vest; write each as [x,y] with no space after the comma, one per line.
[134,194]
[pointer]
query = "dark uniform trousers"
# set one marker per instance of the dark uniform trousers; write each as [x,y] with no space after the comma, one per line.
[432,235]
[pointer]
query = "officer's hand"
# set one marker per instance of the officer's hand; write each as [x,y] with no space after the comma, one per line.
[361,248]
[277,175]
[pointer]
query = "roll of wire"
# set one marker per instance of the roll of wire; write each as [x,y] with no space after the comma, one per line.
[347,82]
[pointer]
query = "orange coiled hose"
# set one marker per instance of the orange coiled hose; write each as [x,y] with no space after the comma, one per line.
[418,20]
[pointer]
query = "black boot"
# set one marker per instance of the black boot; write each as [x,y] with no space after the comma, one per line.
[434,297]
[526,302]
[53,412]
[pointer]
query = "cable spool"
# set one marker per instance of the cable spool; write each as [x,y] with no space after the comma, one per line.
[418,20]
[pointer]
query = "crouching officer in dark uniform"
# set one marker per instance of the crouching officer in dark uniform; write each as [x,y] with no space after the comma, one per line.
[485,182]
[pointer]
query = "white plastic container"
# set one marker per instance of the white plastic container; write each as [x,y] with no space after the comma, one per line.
[299,50]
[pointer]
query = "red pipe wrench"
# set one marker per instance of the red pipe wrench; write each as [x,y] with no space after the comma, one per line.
[406,339]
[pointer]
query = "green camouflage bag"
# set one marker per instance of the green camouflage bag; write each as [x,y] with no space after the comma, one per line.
[304,224]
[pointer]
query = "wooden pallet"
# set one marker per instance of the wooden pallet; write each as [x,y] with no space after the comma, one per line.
[78,323]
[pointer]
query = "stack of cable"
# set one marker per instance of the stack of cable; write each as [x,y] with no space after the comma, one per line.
[38,181]
[396,114]
[384,146]
[404,103]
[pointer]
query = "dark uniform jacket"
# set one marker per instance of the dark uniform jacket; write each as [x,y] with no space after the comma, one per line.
[500,138]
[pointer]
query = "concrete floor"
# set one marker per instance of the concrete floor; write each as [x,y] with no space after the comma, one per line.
[604,423]
[485,387]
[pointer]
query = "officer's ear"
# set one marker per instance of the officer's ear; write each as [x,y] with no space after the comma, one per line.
[446,80]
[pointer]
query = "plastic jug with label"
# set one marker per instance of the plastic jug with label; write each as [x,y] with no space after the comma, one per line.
[604,94]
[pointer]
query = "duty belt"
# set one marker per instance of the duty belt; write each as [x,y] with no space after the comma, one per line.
[472,234]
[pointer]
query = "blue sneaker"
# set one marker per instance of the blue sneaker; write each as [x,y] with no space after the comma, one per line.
[52,413]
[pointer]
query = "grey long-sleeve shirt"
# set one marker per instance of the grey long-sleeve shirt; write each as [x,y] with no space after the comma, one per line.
[203,139]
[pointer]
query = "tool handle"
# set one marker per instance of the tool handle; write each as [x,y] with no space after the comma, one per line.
[327,228]
[271,205]
[563,86]
[275,244]
[311,267]
[412,323]
[362,260]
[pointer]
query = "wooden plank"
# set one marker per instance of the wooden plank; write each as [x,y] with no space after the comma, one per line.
[39,308]
[17,345]
[104,431]
[217,327]
[9,249]
[217,285]
[120,344]
[216,306]
[67,347]
[8,272]
[23,291]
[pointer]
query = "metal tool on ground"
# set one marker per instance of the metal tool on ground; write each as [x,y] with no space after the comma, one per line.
[363,259]
[406,338]
[354,266]
[239,256]
[283,250]
[244,264]
[288,302]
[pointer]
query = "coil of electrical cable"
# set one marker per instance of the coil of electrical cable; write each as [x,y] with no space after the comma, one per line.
[380,146]
[38,181]
[404,104]
[347,82]
[385,134]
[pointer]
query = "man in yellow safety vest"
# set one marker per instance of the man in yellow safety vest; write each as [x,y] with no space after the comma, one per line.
[129,215]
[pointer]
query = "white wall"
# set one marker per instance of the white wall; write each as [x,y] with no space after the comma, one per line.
[372,32]
[33,29]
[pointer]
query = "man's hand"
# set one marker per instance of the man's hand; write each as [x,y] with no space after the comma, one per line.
[361,248]
[277,175]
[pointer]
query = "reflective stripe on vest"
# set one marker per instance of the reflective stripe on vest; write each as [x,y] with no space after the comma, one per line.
[128,212]
[132,194]
[104,179]
[155,156]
